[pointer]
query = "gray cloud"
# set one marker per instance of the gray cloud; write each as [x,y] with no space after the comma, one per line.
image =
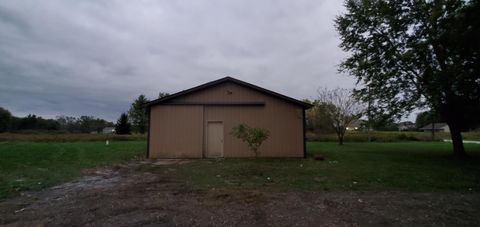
[94,57]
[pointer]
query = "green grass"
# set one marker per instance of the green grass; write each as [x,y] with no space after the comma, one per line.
[67,137]
[408,166]
[404,166]
[33,166]
[388,136]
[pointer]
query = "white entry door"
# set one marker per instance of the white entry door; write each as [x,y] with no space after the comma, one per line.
[214,140]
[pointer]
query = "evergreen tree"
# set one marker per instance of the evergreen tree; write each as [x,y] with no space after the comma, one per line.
[137,114]
[123,126]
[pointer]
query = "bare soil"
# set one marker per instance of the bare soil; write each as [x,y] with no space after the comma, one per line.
[130,195]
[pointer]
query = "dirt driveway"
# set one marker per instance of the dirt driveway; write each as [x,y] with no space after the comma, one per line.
[129,195]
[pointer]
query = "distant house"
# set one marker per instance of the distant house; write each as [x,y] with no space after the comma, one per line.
[355,125]
[437,127]
[108,130]
[406,126]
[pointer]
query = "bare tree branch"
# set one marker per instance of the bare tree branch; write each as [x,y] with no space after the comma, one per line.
[342,109]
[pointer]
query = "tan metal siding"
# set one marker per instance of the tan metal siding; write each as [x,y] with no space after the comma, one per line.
[284,124]
[283,119]
[176,132]
[227,92]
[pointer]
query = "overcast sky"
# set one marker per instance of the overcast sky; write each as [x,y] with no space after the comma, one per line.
[94,57]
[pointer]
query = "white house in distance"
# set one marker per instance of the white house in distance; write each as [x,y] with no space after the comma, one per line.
[355,125]
[108,130]
[437,127]
[406,126]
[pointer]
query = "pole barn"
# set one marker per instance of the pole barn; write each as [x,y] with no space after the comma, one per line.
[197,123]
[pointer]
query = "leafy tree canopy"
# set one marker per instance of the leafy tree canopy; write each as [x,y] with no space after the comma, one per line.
[317,118]
[381,122]
[411,54]
[427,117]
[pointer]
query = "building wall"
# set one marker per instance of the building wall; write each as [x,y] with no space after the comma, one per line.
[178,130]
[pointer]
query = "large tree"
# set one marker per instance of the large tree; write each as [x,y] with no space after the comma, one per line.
[137,114]
[412,53]
[341,108]
[5,119]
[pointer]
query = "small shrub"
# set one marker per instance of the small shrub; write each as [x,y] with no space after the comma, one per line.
[254,137]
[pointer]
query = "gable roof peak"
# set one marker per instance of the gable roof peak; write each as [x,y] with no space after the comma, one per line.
[236,81]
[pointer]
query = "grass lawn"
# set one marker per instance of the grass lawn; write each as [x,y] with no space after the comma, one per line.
[67,137]
[32,166]
[406,166]
[388,136]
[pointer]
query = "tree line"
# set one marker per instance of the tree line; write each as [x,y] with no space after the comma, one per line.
[334,110]
[319,121]
[133,121]
[32,122]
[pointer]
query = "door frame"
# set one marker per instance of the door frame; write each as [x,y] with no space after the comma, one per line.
[205,132]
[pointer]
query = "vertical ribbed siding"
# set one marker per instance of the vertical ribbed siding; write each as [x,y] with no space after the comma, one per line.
[176,132]
[286,135]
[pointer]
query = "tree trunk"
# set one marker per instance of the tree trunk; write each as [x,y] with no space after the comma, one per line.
[433,129]
[457,140]
[452,118]
[340,139]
